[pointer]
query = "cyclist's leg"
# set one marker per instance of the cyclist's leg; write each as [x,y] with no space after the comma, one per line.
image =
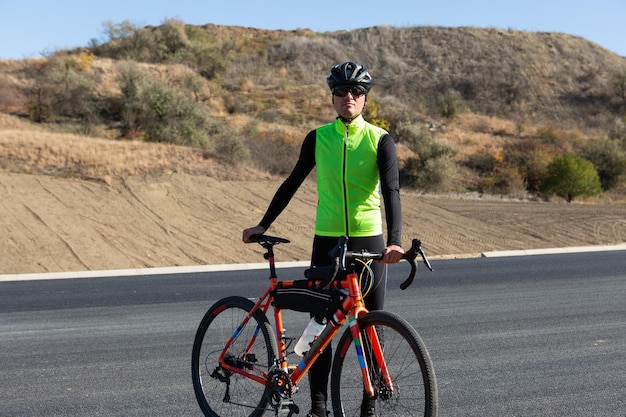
[318,381]
[320,370]
[374,300]
[374,293]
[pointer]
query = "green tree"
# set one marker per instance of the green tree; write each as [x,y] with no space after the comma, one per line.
[570,176]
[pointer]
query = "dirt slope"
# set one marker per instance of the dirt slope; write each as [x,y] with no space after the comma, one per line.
[52,224]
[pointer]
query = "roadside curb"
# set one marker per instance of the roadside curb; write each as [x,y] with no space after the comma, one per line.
[111,273]
[263,265]
[553,251]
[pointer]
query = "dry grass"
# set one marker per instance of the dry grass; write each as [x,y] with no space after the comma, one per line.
[470,133]
[27,148]
[68,155]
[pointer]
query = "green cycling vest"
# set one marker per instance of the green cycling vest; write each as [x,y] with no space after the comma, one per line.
[348,180]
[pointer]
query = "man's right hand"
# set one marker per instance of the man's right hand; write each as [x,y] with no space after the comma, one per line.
[256,230]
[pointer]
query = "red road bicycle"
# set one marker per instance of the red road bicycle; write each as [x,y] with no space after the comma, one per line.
[242,365]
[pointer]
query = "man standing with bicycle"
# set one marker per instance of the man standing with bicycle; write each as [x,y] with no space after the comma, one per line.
[356,163]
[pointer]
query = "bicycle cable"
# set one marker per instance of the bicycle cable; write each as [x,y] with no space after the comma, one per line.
[369,280]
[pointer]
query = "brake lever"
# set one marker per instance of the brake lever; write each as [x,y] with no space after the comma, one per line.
[425,259]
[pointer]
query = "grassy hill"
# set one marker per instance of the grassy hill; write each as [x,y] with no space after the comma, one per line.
[472,109]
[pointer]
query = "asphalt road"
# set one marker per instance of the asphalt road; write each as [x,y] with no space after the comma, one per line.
[518,336]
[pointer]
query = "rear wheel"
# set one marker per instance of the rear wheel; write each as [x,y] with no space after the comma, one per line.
[222,393]
[413,390]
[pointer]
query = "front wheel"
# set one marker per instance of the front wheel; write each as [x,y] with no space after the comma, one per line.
[221,392]
[413,389]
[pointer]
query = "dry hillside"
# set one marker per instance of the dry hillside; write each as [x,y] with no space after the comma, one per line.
[91,177]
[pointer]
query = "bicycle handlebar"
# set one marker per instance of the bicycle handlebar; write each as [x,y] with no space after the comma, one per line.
[410,256]
[340,253]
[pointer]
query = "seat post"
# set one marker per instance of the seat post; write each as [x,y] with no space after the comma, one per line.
[269,255]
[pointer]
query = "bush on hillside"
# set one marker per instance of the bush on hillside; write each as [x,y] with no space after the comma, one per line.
[433,167]
[618,132]
[503,180]
[162,110]
[126,41]
[497,176]
[570,176]
[609,159]
[233,149]
[63,87]
[531,157]
[274,152]
[450,104]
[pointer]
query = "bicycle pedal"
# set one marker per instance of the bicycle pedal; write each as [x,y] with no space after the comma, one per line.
[287,408]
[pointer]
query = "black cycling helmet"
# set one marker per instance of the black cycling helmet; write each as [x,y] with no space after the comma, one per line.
[349,74]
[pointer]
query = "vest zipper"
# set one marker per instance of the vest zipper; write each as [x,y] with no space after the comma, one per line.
[343,178]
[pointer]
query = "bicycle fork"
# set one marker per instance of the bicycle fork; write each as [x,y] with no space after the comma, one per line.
[377,359]
[373,342]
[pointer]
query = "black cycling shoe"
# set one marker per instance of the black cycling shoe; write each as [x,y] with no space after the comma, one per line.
[368,412]
[368,407]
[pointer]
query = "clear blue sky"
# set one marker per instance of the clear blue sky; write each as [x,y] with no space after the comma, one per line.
[28,28]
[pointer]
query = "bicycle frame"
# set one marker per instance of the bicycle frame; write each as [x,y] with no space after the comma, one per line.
[352,303]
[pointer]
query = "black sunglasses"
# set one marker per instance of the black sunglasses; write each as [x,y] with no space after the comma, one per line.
[356,91]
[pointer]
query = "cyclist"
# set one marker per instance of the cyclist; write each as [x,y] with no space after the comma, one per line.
[356,163]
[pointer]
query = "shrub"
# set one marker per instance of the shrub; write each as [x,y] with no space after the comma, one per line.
[482,162]
[163,113]
[450,104]
[233,149]
[531,157]
[552,136]
[11,98]
[503,180]
[496,176]
[618,132]
[618,80]
[84,60]
[436,174]
[609,159]
[570,176]
[413,135]
[549,133]
[432,169]
[274,153]
[62,87]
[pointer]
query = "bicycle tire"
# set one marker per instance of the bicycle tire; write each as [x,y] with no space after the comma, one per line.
[220,393]
[412,373]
